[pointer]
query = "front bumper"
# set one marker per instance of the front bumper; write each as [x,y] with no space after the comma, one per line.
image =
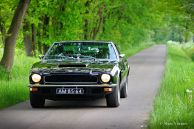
[98,85]
[90,91]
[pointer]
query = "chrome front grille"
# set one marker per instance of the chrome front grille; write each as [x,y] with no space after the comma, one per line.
[70,78]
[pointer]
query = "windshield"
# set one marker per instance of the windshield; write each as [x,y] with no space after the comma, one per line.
[81,50]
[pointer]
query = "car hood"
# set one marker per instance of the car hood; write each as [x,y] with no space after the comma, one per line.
[72,66]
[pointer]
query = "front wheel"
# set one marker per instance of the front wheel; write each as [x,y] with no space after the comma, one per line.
[124,90]
[36,101]
[113,99]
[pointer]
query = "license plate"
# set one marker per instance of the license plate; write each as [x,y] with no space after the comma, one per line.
[69,91]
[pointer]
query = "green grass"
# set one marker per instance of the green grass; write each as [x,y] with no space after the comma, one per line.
[13,85]
[189,49]
[173,109]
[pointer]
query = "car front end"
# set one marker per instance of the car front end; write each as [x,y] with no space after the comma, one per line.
[77,70]
[72,82]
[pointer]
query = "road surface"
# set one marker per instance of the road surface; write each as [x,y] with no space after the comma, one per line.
[145,76]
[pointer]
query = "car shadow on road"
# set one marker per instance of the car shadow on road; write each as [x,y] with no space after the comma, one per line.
[95,103]
[75,104]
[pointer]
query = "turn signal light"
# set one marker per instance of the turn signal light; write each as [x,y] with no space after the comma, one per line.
[33,89]
[107,89]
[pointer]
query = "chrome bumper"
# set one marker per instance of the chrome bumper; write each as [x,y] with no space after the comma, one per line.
[102,85]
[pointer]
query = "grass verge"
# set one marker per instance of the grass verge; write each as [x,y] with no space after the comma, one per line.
[174,107]
[13,85]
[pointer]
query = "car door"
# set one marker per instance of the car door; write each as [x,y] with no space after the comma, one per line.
[123,64]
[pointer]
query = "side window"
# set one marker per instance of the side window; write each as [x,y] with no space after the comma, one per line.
[112,54]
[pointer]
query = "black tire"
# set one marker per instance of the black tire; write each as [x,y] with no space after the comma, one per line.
[124,90]
[113,99]
[36,101]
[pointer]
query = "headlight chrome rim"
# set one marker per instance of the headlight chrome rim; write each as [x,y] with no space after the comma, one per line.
[36,78]
[105,78]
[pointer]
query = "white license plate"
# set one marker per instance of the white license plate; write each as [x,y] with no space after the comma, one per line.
[69,91]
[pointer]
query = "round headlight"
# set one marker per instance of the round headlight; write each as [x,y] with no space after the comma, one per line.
[36,78]
[105,78]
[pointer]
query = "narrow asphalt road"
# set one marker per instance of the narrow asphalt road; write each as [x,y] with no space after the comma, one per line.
[145,76]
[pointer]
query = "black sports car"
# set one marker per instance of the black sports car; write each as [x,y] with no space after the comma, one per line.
[77,70]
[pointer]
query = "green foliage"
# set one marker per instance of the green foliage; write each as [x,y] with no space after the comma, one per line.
[173,108]
[135,49]
[126,22]
[189,49]
[176,18]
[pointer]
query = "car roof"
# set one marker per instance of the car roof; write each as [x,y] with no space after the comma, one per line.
[84,41]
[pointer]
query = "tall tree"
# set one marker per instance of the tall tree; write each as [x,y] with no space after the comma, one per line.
[45,31]
[33,39]
[27,38]
[10,40]
[86,20]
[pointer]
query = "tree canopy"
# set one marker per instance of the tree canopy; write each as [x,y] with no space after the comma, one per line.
[126,22]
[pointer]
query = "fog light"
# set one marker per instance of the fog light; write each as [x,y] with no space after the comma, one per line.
[107,89]
[33,89]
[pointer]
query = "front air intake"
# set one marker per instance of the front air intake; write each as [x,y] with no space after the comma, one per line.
[71,78]
[72,65]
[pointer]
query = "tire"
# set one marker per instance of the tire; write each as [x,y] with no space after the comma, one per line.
[113,99]
[36,101]
[124,90]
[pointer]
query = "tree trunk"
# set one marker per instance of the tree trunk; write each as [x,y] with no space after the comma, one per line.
[45,30]
[86,22]
[186,35]
[104,18]
[2,29]
[34,39]
[99,22]
[103,23]
[85,29]
[45,48]
[27,38]
[39,39]
[10,41]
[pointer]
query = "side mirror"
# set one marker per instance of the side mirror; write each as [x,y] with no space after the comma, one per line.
[122,55]
[41,57]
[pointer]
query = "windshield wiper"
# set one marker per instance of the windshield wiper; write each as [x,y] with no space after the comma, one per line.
[87,57]
[106,60]
[58,57]
[69,57]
